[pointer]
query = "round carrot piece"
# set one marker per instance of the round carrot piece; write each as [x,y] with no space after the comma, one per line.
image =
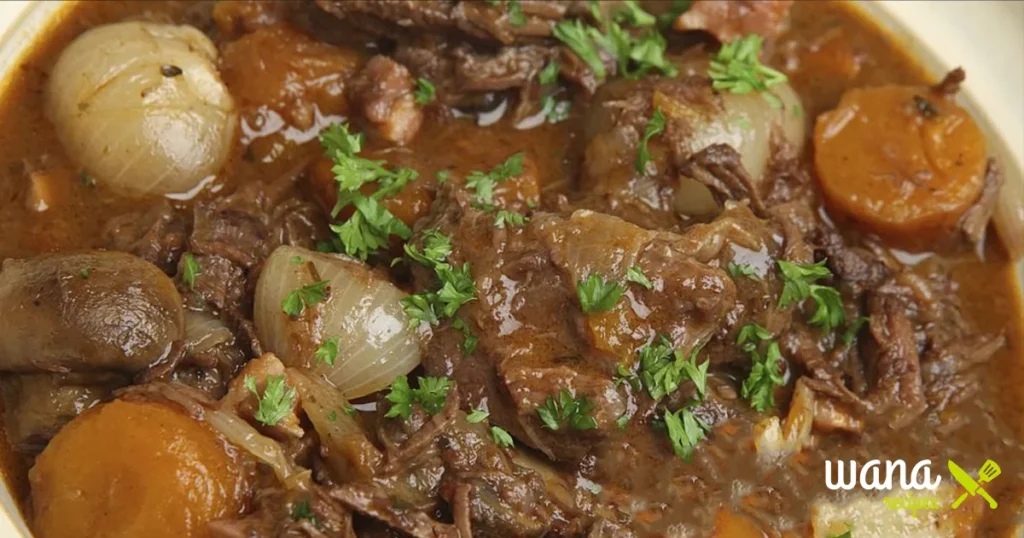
[901,161]
[132,469]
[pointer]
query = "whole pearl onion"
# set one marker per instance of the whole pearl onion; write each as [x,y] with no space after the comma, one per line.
[141,107]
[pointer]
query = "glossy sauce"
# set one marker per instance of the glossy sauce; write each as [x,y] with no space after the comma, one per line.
[828,50]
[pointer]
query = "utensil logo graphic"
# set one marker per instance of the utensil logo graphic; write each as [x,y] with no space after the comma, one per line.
[989,471]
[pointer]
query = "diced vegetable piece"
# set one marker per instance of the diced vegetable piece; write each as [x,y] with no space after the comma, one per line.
[901,161]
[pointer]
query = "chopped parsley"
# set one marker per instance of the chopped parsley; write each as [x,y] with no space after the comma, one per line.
[516,17]
[349,410]
[469,340]
[576,36]
[850,334]
[297,260]
[457,285]
[420,309]
[799,283]
[371,225]
[554,110]
[504,216]
[597,295]
[636,275]
[685,430]
[85,272]
[442,176]
[477,416]
[190,270]
[655,126]
[327,353]
[743,269]
[302,510]
[425,93]
[549,75]
[277,399]
[631,13]
[501,437]
[663,369]
[307,296]
[436,248]
[332,416]
[625,375]
[567,410]
[737,69]
[765,375]
[430,395]
[483,183]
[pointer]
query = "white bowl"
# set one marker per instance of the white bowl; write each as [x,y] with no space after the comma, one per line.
[985,37]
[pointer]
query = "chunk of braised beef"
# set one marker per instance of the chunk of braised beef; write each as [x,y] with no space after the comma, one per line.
[728,20]
[157,235]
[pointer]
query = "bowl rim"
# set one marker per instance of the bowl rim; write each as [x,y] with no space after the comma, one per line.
[941,35]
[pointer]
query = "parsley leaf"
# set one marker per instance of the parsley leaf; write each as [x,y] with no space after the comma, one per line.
[549,75]
[663,369]
[743,269]
[190,270]
[469,340]
[751,335]
[567,410]
[483,183]
[328,351]
[371,225]
[636,275]
[436,248]
[297,260]
[501,437]
[85,272]
[442,176]
[797,280]
[431,395]
[554,110]
[420,309]
[635,15]
[276,402]
[477,416]
[759,386]
[685,430]
[425,93]
[307,296]
[596,295]
[624,375]
[511,217]
[332,416]
[575,36]
[828,308]
[655,126]
[516,17]
[457,285]
[799,284]
[850,334]
[737,69]
[302,510]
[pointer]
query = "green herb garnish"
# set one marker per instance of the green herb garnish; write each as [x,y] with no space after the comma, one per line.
[307,296]
[596,295]
[685,430]
[425,93]
[431,395]
[501,437]
[636,275]
[328,351]
[190,270]
[737,69]
[277,399]
[567,410]
[655,126]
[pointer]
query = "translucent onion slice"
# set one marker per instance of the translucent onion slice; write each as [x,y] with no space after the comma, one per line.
[362,310]
[1008,215]
[203,331]
[349,454]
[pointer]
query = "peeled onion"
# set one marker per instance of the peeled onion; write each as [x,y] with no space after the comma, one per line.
[141,107]
[362,310]
[346,450]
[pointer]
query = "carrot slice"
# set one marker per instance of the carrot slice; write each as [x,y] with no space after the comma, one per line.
[901,161]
